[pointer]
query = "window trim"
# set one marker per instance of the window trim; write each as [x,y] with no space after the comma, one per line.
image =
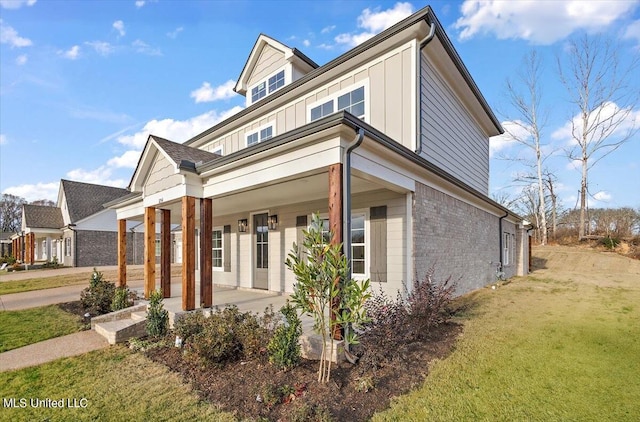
[67,246]
[334,97]
[265,80]
[218,150]
[248,133]
[221,230]
[506,249]
[367,240]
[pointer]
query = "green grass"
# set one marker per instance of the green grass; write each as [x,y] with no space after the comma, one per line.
[40,283]
[537,350]
[20,328]
[116,384]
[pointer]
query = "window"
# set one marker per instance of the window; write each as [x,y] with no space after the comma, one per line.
[269,85]
[260,135]
[358,239]
[506,249]
[67,246]
[218,150]
[158,247]
[216,248]
[258,91]
[276,81]
[352,101]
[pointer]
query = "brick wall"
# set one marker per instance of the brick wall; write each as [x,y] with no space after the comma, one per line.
[100,248]
[459,239]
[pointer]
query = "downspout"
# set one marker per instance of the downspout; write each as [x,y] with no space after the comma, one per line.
[346,197]
[75,244]
[500,238]
[422,44]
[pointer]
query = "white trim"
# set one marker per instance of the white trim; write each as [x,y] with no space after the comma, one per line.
[414,100]
[408,256]
[257,130]
[334,97]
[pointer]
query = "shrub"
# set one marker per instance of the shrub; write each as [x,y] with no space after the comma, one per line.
[396,323]
[218,342]
[9,260]
[254,334]
[157,316]
[97,298]
[121,298]
[53,263]
[284,347]
[610,242]
[189,325]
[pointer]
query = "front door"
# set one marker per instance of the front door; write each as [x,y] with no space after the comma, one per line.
[261,252]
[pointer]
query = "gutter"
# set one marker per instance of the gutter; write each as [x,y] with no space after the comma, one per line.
[346,197]
[422,44]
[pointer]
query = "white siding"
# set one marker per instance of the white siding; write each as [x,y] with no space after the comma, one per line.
[162,176]
[269,61]
[451,139]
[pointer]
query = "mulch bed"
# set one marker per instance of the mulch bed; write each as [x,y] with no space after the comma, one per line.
[257,389]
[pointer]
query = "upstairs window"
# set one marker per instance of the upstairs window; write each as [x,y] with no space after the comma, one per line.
[267,86]
[260,135]
[352,101]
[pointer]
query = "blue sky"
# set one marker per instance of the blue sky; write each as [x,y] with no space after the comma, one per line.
[83,83]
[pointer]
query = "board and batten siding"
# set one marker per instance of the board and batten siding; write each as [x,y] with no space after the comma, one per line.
[269,61]
[390,93]
[162,176]
[451,139]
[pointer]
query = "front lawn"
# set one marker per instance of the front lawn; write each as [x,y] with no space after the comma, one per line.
[27,326]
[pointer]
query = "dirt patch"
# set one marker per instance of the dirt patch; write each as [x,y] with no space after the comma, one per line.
[74,308]
[256,389]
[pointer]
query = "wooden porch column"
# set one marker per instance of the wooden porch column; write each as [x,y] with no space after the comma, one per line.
[122,253]
[165,253]
[335,223]
[32,248]
[188,253]
[149,251]
[206,253]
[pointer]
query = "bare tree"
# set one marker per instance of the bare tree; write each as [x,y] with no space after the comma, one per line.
[602,100]
[44,202]
[11,212]
[528,125]
[549,182]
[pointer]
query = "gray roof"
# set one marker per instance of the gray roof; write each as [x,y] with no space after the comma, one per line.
[41,216]
[180,153]
[85,199]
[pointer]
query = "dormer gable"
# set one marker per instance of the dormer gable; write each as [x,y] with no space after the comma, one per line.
[271,66]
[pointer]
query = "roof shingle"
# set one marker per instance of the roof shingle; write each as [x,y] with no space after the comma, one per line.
[85,199]
[41,216]
[179,152]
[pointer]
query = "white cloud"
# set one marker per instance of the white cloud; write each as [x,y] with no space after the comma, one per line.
[10,36]
[22,59]
[71,53]
[574,165]
[144,48]
[16,4]
[206,93]
[633,31]
[119,26]
[539,22]
[373,22]
[607,120]
[174,34]
[139,3]
[99,176]
[33,192]
[101,47]
[306,43]
[513,130]
[127,160]
[176,130]
[602,196]
[327,29]
[3,139]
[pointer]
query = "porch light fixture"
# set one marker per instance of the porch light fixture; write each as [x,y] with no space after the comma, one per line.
[242,225]
[272,222]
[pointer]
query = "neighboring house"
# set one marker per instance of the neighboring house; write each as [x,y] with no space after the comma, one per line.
[389,142]
[6,244]
[78,231]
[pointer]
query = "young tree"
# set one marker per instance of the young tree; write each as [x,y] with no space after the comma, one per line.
[602,100]
[527,125]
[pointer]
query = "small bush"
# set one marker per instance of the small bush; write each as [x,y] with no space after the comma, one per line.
[157,316]
[284,347]
[218,342]
[189,325]
[122,298]
[9,260]
[610,242]
[53,263]
[97,298]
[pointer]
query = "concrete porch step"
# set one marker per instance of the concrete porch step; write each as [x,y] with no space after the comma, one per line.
[121,330]
[139,315]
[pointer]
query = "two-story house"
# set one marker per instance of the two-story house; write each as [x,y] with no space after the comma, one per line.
[389,142]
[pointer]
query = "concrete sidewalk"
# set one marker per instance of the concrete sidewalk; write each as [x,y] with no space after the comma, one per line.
[46,351]
[24,275]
